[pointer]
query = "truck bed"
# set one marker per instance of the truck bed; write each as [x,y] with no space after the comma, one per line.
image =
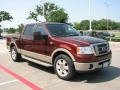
[10,37]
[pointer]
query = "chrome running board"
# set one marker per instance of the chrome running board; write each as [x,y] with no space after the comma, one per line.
[37,61]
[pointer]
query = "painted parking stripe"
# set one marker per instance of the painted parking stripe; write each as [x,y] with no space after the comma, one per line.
[23,80]
[8,82]
[3,51]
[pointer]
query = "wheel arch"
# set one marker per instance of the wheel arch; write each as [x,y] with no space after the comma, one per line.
[14,44]
[61,51]
[11,45]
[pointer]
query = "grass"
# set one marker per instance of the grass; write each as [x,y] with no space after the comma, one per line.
[115,39]
[117,34]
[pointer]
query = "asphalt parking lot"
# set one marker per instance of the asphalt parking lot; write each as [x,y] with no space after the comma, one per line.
[27,75]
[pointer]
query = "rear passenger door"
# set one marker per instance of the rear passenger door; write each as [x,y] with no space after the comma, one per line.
[27,40]
[40,46]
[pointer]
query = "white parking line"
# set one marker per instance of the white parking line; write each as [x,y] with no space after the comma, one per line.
[2,52]
[8,82]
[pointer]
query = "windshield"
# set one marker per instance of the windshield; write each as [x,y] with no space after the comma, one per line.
[62,30]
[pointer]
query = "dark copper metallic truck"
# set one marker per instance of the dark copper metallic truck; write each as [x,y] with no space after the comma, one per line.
[61,46]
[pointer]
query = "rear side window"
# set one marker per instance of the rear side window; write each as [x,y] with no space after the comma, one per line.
[41,30]
[29,30]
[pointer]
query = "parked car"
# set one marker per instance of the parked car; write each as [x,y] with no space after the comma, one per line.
[61,46]
[108,34]
[101,35]
[90,33]
[1,37]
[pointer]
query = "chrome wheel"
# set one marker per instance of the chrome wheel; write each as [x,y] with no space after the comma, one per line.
[16,57]
[13,54]
[62,67]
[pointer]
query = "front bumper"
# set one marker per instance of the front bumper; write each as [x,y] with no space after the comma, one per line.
[92,66]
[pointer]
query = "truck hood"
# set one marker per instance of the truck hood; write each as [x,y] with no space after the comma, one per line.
[82,40]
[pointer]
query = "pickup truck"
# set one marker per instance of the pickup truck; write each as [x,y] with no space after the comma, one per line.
[61,46]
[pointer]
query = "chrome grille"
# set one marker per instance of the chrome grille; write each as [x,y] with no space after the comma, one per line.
[101,48]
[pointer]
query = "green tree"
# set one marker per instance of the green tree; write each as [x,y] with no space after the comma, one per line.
[94,25]
[77,25]
[6,30]
[118,24]
[84,25]
[112,25]
[48,8]
[98,25]
[58,16]
[11,30]
[20,28]
[102,24]
[5,16]
[14,30]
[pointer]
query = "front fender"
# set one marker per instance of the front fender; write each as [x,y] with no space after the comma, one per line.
[63,50]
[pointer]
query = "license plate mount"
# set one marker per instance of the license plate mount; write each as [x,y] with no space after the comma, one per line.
[105,64]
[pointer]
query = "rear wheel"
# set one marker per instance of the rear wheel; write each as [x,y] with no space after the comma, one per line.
[15,55]
[63,66]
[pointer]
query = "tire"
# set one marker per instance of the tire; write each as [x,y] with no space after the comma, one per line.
[64,67]
[16,57]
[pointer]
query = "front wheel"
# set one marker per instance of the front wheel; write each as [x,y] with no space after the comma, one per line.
[15,55]
[63,66]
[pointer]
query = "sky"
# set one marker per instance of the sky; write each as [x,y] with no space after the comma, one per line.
[77,10]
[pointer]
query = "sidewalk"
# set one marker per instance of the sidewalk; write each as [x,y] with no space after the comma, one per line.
[114,42]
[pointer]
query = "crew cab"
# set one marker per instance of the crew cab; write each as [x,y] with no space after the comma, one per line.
[61,46]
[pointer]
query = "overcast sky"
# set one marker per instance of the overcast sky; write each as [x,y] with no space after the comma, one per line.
[77,9]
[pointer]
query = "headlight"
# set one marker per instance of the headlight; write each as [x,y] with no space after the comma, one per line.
[85,50]
[108,45]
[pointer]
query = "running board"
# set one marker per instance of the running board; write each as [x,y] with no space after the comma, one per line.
[36,61]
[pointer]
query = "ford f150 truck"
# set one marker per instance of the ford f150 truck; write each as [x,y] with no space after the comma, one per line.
[61,46]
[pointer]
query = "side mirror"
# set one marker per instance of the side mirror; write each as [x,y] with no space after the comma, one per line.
[38,36]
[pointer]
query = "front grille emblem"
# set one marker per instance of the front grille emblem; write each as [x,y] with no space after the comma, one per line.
[101,49]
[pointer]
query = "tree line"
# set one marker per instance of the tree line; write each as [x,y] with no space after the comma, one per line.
[102,24]
[54,13]
[14,30]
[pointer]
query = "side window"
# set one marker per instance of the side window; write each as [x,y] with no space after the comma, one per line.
[40,29]
[28,30]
